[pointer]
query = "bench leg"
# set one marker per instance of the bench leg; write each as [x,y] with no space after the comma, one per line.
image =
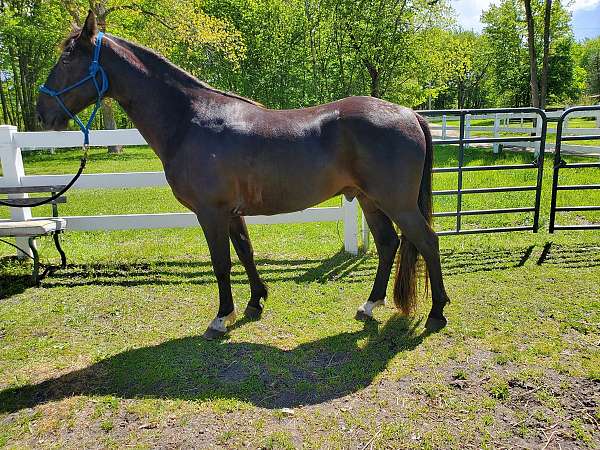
[63,257]
[36,262]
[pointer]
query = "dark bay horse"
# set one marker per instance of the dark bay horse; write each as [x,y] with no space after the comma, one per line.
[225,156]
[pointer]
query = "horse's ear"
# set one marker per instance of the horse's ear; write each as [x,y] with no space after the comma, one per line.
[90,27]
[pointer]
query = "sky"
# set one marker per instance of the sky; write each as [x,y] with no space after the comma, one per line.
[586,16]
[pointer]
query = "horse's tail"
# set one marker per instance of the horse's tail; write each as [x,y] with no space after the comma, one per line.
[407,270]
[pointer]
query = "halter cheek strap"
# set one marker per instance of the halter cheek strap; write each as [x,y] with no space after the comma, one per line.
[101,88]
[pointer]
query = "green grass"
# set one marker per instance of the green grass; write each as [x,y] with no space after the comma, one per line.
[109,351]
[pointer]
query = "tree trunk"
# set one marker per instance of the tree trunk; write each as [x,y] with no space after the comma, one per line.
[5,111]
[16,87]
[535,97]
[110,124]
[375,88]
[547,14]
[108,114]
[313,51]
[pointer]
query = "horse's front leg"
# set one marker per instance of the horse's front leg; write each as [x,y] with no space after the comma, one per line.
[243,247]
[215,224]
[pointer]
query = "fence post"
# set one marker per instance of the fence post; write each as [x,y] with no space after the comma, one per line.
[13,171]
[467,128]
[350,225]
[538,132]
[496,133]
[444,131]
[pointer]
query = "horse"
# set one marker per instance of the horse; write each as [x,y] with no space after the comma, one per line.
[226,157]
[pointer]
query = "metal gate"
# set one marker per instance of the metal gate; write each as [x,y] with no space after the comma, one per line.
[539,135]
[560,163]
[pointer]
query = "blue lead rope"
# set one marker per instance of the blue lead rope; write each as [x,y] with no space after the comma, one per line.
[94,69]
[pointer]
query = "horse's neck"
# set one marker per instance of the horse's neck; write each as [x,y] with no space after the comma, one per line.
[153,94]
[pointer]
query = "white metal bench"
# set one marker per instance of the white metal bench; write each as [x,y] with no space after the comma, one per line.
[34,228]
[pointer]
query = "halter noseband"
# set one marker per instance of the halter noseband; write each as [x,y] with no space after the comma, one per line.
[101,89]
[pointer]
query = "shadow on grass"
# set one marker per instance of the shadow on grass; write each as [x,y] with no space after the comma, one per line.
[570,256]
[192,368]
[15,276]
[341,266]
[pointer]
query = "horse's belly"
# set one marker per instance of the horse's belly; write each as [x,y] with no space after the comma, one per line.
[294,196]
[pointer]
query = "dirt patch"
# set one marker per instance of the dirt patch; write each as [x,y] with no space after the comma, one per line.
[453,405]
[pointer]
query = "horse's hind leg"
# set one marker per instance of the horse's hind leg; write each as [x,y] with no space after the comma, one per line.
[386,241]
[416,229]
[243,247]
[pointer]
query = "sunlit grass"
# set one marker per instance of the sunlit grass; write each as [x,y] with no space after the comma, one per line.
[109,350]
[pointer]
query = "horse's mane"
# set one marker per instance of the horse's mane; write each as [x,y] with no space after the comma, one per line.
[146,53]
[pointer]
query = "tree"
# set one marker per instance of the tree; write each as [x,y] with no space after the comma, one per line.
[467,73]
[533,78]
[29,33]
[545,62]
[388,39]
[590,62]
[504,34]
[516,66]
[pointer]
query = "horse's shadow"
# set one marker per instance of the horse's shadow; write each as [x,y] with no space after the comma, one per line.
[192,368]
[265,375]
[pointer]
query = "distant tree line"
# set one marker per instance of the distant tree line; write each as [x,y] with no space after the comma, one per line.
[293,53]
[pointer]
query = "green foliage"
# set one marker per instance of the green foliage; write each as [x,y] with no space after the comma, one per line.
[590,61]
[294,53]
[29,33]
[506,37]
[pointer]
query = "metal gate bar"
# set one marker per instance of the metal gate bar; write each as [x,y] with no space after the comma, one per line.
[560,163]
[538,164]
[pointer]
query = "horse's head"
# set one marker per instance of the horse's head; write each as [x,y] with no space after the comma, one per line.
[72,66]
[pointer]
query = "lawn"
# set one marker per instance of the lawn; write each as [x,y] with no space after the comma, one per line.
[108,353]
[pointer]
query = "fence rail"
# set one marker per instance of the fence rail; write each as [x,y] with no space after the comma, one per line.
[504,124]
[12,143]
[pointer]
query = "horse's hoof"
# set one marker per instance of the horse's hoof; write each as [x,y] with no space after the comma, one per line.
[362,316]
[211,334]
[365,311]
[218,327]
[252,312]
[434,324]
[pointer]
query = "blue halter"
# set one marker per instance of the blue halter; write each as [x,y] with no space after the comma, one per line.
[101,89]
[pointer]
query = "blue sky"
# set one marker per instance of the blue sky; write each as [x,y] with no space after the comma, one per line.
[586,16]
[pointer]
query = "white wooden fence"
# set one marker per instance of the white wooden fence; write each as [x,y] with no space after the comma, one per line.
[13,142]
[501,125]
